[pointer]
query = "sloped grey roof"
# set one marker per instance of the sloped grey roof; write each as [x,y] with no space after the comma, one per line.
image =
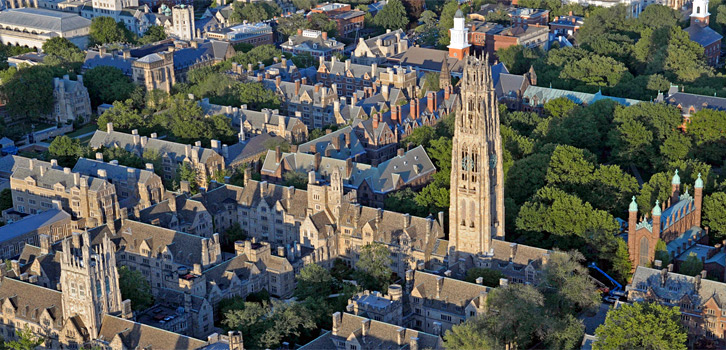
[53,176]
[671,286]
[383,178]
[43,20]
[698,102]
[175,151]
[240,152]
[9,163]
[704,36]
[453,291]
[135,335]
[116,172]
[32,298]
[325,142]
[31,223]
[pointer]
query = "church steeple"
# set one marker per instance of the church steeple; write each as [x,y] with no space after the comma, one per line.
[699,14]
[459,43]
[476,212]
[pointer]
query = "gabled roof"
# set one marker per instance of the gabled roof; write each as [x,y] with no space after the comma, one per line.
[671,286]
[31,300]
[173,150]
[543,94]
[383,335]
[326,142]
[452,291]
[134,335]
[704,36]
[31,223]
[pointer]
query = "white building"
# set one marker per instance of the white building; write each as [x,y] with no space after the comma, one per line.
[183,22]
[32,27]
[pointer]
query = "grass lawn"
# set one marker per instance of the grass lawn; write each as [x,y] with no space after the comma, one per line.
[84,130]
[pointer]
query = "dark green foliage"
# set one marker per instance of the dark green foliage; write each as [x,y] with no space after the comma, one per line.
[714,214]
[661,253]
[254,12]
[518,59]
[62,52]
[296,179]
[185,172]
[107,84]
[29,93]
[26,340]
[6,199]
[691,266]
[658,327]
[233,234]
[491,277]
[392,16]
[267,325]
[153,34]
[135,287]
[105,30]
[313,281]
[66,150]
[373,266]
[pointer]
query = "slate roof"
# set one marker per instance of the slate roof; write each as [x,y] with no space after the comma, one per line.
[31,223]
[287,89]
[129,234]
[135,335]
[704,36]
[383,335]
[206,51]
[386,40]
[697,102]
[452,292]
[325,142]
[9,163]
[96,59]
[358,71]
[523,254]
[309,40]
[427,59]
[115,172]
[43,20]
[52,176]
[543,94]
[243,151]
[216,200]
[161,214]
[221,274]
[31,299]
[173,150]
[386,177]
[677,286]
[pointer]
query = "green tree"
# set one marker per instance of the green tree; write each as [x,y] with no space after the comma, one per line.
[321,22]
[62,52]
[446,20]
[516,315]
[490,277]
[135,287]
[235,233]
[66,150]
[289,25]
[714,214]
[661,253]
[621,265]
[404,201]
[153,34]
[392,16]
[566,284]
[105,30]
[375,261]
[420,137]
[658,188]
[642,326]
[304,4]
[469,335]
[29,93]
[517,58]
[123,117]
[107,84]
[254,12]
[256,97]
[709,141]
[691,266]
[313,280]
[27,340]
[185,172]
[6,199]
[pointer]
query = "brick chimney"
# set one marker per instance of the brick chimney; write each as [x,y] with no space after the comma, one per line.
[297,87]
[375,121]
[431,101]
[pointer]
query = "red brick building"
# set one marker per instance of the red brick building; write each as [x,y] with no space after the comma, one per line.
[700,32]
[566,25]
[348,19]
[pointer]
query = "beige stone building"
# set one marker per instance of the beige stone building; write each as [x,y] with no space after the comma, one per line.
[313,104]
[179,213]
[71,100]
[376,306]
[55,223]
[437,303]
[155,71]
[183,22]
[35,188]
[377,49]
[205,161]
[135,188]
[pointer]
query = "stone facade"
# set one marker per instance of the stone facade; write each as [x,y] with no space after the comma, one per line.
[35,188]
[377,49]
[55,223]
[71,100]
[313,104]
[31,27]
[183,22]
[155,71]
[135,188]
[699,299]
[252,123]
[374,305]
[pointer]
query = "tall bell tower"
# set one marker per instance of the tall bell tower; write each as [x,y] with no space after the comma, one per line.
[476,213]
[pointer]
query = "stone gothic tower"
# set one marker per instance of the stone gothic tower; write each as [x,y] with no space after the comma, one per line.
[476,213]
[89,280]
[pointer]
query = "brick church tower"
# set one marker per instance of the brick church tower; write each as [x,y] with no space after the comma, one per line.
[459,44]
[476,213]
[699,15]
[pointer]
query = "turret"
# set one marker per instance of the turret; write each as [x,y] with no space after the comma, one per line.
[698,200]
[675,188]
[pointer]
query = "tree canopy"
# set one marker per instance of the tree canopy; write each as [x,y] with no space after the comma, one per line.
[642,326]
[107,84]
[392,16]
[135,287]
[105,30]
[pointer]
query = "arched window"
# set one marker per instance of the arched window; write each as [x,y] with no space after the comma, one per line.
[98,290]
[463,213]
[698,9]
[108,286]
[644,252]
